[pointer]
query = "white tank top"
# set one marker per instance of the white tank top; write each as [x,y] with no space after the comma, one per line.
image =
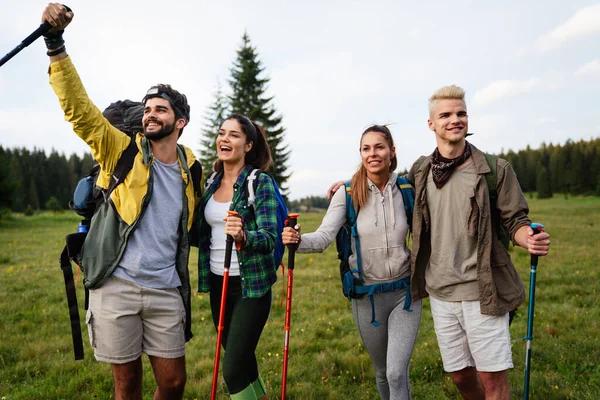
[214,212]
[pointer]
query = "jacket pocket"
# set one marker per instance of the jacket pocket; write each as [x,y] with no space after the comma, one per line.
[500,256]
[385,262]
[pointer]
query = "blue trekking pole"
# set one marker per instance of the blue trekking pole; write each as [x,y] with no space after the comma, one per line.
[537,228]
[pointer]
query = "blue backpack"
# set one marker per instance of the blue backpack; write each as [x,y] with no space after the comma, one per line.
[353,287]
[281,210]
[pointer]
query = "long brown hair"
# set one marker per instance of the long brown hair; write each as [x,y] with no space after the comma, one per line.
[259,155]
[358,185]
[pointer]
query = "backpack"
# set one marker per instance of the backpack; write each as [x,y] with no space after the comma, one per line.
[353,287]
[127,116]
[281,211]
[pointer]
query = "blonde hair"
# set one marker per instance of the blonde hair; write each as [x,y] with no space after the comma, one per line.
[451,92]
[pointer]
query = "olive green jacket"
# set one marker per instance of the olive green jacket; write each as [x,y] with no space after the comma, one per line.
[500,287]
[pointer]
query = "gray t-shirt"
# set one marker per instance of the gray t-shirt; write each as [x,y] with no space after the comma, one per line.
[452,271]
[149,259]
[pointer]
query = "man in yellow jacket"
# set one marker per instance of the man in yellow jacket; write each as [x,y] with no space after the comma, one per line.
[136,253]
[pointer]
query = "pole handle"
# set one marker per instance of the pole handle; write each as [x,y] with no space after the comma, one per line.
[41,30]
[291,221]
[537,228]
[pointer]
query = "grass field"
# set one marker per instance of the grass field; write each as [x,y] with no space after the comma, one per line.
[327,360]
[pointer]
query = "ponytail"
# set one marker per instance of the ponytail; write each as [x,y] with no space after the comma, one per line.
[259,155]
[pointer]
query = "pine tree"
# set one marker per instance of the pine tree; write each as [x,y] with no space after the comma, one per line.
[248,97]
[213,118]
[543,182]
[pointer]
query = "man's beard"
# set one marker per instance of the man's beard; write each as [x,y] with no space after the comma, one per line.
[163,132]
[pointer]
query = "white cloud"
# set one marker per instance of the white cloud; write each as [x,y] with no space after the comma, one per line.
[585,22]
[507,88]
[504,88]
[592,67]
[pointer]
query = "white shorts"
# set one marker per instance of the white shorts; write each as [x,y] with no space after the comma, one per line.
[125,319]
[468,338]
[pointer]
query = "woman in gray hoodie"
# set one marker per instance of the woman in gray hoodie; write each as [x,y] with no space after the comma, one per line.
[385,259]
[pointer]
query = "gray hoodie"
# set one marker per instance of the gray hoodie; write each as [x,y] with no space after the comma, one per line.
[382,230]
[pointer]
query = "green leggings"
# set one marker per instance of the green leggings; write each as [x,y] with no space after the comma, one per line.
[245,319]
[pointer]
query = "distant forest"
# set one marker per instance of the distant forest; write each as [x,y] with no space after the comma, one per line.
[30,180]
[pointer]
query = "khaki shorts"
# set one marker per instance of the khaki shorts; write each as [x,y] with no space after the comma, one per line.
[125,319]
[468,338]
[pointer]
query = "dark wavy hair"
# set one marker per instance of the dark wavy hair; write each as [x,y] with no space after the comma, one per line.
[180,106]
[259,155]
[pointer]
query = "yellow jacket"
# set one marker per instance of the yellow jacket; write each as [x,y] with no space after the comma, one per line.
[115,219]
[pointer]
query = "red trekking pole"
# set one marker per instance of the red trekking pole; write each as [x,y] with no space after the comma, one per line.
[291,222]
[220,327]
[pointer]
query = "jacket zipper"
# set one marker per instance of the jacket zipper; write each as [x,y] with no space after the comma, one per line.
[385,229]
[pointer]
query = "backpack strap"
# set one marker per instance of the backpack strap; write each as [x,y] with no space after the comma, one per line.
[251,183]
[124,165]
[408,197]
[491,179]
[70,252]
[370,290]
[210,179]
[351,215]
[196,172]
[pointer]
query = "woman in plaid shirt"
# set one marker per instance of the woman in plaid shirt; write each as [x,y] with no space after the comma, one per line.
[241,147]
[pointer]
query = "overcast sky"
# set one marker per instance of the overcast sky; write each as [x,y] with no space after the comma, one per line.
[531,70]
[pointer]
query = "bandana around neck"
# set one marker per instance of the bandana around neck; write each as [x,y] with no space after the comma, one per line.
[441,168]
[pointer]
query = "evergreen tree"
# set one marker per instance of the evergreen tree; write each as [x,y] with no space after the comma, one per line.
[18,194]
[7,183]
[543,182]
[213,118]
[248,97]
[32,198]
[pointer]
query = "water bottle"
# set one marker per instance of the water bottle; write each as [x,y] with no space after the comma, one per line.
[82,228]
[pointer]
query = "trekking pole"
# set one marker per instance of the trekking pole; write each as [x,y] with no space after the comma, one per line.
[42,29]
[220,327]
[537,228]
[291,222]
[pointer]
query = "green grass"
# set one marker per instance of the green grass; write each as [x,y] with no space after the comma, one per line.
[327,359]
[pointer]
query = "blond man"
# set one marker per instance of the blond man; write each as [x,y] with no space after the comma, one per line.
[457,257]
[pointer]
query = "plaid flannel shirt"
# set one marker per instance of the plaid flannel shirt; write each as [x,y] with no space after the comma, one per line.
[257,264]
